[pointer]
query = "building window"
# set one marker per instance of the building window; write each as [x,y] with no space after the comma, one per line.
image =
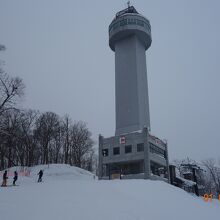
[105,152]
[123,22]
[156,150]
[128,149]
[141,23]
[140,147]
[116,150]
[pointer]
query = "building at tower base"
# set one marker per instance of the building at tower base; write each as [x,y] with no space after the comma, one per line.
[136,155]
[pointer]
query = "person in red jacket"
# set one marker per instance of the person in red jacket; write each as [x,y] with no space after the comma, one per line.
[5,177]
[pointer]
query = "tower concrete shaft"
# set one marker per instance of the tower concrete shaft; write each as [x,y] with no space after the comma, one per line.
[129,38]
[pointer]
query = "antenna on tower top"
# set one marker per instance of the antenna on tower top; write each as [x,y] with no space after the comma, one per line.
[128,3]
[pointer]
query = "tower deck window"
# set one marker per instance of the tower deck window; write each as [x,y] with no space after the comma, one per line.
[116,151]
[128,149]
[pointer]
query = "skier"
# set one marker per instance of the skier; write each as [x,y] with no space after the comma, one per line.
[40,176]
[5,177]
[15,177]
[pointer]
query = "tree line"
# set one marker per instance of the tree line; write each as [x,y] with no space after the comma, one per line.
[29,137]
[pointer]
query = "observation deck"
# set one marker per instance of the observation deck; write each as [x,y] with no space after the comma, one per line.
[129,22]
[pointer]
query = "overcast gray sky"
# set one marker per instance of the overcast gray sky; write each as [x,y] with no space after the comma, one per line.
[60,49]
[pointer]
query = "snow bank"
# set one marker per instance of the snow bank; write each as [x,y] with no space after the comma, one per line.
[61,171]
[51,172]
[69,193]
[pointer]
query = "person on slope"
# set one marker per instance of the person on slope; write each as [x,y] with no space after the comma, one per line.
[15,177]
[5,177]
[40,176]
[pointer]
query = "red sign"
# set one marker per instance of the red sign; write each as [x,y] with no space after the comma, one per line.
[122,140]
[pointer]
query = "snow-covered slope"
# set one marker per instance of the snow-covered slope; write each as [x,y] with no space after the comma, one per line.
[70,193]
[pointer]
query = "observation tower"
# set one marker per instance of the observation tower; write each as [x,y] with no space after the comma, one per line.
[133,152]
[129,38]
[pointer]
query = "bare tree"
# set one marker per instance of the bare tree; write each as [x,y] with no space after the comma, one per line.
[9,134]
[214,172]
[81,143]
[66,123]
[11,88]
[27,125]
[47,127]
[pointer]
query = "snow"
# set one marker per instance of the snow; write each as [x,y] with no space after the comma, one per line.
[69,193]
[186,182]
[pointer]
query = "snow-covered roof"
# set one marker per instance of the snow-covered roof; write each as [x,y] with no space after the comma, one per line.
[186,182]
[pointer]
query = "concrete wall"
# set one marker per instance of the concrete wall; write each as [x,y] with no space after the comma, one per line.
[131,90]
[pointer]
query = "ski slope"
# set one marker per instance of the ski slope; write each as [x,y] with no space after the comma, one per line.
[70,193]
